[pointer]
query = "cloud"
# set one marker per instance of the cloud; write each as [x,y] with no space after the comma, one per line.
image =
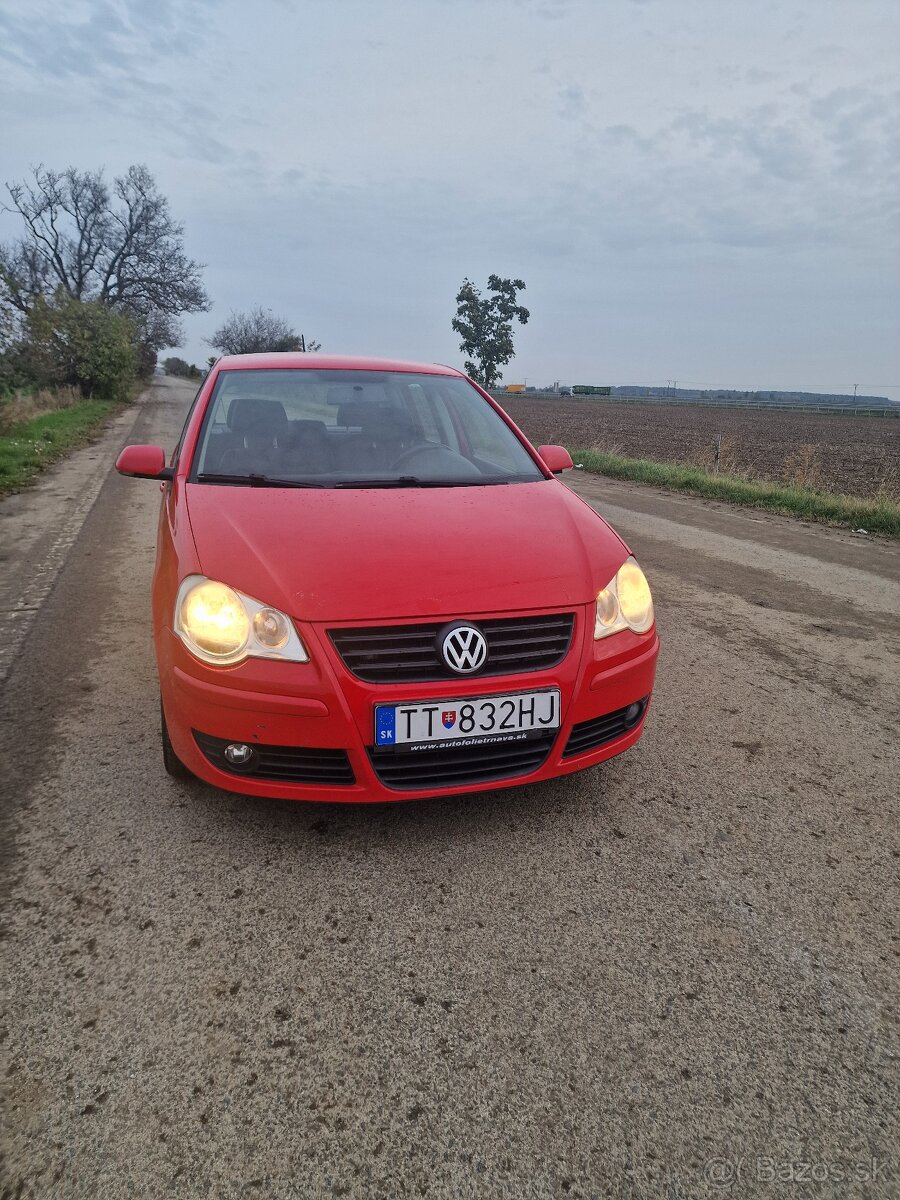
[352,161]
[107,54]
[105,38]
[548,10]
[573,103]
[779,175]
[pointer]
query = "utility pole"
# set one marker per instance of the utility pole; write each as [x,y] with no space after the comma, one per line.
[855,386]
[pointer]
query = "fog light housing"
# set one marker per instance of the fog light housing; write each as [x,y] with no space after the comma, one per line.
[239,755]
[633,712]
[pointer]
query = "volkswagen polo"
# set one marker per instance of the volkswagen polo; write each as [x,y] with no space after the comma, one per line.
[370,586]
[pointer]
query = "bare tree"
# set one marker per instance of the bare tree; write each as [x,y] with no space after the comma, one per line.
[121,247]
[256,332]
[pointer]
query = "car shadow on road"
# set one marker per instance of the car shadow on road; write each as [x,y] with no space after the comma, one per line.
[442,819]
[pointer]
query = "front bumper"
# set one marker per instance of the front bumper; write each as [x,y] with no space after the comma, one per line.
[315,720]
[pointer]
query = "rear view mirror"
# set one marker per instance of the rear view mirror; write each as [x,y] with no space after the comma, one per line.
[557,458]
[144,462]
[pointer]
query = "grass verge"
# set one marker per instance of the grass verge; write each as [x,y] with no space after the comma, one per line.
[875,516]
[30,446]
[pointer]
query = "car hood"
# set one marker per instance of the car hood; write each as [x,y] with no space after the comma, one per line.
[365,555]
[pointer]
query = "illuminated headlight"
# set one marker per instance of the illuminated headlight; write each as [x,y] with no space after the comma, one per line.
[625,602]
[223,626]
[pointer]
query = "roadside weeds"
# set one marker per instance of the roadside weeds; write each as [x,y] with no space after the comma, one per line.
[29,447]
[881,515]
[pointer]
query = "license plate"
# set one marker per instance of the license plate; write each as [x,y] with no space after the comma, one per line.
[470,722]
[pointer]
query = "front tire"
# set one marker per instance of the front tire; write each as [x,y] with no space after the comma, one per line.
[173,764]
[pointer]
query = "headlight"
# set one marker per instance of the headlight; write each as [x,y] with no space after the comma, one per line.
[635,601]
[212,616]
[625,602]
[271,628]
[223,626]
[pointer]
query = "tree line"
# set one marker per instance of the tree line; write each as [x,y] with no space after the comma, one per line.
[98,281]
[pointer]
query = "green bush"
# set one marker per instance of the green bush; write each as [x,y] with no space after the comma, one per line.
[181,368]
[82,344]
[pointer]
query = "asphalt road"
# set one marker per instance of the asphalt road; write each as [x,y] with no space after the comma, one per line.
[671,976]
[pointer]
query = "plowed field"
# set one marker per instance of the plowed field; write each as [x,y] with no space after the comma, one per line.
[858,456]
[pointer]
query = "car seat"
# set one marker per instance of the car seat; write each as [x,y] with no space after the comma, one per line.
[307,448]
[261,429]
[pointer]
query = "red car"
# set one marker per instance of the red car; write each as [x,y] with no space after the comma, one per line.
[369,586]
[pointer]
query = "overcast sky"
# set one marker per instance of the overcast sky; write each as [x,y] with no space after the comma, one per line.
[700,190]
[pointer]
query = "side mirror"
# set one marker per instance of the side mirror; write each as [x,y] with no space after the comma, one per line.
[144,462]
[557,458]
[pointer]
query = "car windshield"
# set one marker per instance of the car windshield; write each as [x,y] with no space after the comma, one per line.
[321,428]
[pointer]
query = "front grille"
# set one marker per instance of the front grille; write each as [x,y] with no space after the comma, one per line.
[409,653]
[283,764]
[452,767]
[588,735]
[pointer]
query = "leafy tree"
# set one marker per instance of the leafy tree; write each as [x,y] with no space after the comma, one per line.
[485,325]
[80,343]
[258,331]
[119,247]
[178,366]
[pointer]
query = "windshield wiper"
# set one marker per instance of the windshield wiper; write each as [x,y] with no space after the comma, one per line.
[401,481]
[257,481]
[398,481]
[411,481]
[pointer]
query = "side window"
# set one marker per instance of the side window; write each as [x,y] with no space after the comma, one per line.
[173,462]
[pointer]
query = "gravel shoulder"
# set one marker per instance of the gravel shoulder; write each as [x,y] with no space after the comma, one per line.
[39,524]
[591,988]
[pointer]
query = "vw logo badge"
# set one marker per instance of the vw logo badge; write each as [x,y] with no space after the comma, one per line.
[464,649]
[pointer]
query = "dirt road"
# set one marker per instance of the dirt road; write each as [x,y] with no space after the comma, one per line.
[672,976]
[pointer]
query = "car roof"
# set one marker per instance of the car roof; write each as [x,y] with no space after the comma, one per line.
[327,362]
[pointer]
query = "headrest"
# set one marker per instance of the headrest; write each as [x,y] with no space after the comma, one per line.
[306,433]
[351,414]
[249,415]
[382,417]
